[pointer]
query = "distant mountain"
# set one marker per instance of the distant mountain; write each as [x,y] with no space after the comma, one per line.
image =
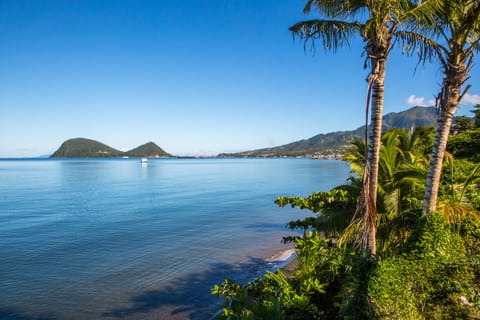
[416,116]
[337,142]
[86,148]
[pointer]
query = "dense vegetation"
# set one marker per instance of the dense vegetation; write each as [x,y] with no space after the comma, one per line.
[427,267]
[401,239]
[86,148]
[337,142]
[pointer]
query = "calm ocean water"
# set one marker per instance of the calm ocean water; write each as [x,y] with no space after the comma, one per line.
[116,239]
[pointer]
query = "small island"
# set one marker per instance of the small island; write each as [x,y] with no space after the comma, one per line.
[87,148]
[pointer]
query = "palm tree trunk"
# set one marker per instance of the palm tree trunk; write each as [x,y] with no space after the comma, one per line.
[375,137]
[367,205]
[445,119]
[449,99]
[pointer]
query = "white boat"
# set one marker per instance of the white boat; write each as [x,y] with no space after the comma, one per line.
[144,160]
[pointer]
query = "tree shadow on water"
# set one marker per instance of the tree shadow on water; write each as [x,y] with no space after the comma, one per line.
[187,297]
[7,313]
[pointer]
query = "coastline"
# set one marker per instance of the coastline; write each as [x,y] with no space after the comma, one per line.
[284,260]
[280,260]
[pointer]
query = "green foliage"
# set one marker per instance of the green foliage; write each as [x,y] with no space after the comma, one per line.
[240,305]
[427,267]
[434,275]
[393,291]
[461,124]
[314,292]
[402,173]
[459,193]
[430,277]
[465,145]
[334,209]
[356,303]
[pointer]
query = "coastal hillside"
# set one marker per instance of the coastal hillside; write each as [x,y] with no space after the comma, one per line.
[87,148]
[337,142]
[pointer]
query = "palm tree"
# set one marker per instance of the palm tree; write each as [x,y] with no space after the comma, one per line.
[457,27]
[343,20]
[401,184]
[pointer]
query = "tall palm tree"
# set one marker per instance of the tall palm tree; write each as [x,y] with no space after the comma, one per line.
[453,39]
[343,20]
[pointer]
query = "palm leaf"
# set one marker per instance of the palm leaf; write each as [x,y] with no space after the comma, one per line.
[332,34]
[350,234]
[426,48]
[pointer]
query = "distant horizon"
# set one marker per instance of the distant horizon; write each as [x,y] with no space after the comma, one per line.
[186,154]
[197,77]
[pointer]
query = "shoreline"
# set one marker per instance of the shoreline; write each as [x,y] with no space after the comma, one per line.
[284,260]
[279,261]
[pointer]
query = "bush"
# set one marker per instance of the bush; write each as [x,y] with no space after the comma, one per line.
[429,278]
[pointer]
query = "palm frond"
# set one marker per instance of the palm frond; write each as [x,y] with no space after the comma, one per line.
[336,8]
[426,48]
[308,6]
[455,212]
[396,231]
[471,25]
[350,234]
[473,176]
[393,202]
[331,33]
[419,16]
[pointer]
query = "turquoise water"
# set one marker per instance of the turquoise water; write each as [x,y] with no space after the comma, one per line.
[117,239]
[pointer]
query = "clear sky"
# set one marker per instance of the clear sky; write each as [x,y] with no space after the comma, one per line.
[197,77]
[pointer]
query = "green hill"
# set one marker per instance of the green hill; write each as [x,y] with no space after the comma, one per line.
[149,150]
[86,148]
[337,142]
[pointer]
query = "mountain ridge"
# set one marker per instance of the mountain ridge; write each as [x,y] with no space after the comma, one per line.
[337,141]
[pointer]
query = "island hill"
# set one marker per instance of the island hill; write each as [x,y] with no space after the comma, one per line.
[86,148]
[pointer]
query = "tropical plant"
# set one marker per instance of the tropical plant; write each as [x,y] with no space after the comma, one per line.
[313,292]
[344,20]
[334,210]
[465,145]
[427,267]
[461,124]
[456,203]
[402,171]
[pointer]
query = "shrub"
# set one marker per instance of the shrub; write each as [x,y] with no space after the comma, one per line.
[429,278]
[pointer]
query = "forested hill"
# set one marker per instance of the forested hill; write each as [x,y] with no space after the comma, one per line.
[86,148]
[147,150]
[336,142]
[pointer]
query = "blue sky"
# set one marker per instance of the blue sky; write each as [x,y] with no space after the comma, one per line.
[197,77]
